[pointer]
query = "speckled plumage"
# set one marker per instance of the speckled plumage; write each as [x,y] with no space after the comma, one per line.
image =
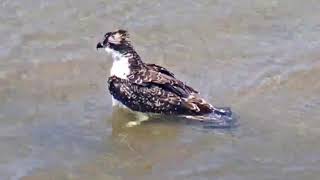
[151,98]
[148,88]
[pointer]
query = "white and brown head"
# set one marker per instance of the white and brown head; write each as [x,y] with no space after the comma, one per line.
[116,41]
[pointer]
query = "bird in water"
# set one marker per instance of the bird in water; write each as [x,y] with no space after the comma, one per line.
[152,89]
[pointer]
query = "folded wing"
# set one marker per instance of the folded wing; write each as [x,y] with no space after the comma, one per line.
[158,68]
[152,77]
[155,99]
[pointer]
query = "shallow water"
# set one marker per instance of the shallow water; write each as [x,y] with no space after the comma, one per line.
[259,57]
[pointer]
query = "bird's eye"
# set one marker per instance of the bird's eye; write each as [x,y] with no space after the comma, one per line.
[107,34]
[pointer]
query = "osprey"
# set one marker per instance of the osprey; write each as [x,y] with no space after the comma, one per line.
[150,88]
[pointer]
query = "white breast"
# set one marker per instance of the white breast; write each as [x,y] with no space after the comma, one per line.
[120,66]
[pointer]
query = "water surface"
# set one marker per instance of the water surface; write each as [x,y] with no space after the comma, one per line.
[259,57]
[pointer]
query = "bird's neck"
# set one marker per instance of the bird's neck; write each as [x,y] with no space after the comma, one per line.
[126,53]
[124,63]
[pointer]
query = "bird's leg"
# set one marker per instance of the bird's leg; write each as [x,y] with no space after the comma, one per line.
[141,117]
[115,102]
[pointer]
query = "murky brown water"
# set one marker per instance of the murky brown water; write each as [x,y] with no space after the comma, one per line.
[260,57]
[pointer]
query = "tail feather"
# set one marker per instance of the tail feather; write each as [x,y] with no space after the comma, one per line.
[198,106]
[224,111]
[219,118]
[210,116]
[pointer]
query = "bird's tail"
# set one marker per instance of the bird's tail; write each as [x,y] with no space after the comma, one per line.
[223,111]
[219,118]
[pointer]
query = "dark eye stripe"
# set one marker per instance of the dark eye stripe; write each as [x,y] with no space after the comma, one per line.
[107,34]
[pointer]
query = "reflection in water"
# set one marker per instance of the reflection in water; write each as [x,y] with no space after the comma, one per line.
[134,151]
[146,134]
[160,142]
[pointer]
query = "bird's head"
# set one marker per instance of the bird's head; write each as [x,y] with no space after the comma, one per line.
[116,41]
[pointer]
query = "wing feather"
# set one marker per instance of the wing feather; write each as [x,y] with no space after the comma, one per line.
[154,99]
[161,69]
[148,76]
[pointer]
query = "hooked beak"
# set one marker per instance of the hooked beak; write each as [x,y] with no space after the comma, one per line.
[99,45]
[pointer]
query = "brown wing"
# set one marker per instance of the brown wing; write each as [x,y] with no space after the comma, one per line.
[148,77]
[158,68]
[155,99]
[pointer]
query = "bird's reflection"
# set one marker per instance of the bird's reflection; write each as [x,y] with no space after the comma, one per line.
[157,130]
[156,142]
[138,148]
